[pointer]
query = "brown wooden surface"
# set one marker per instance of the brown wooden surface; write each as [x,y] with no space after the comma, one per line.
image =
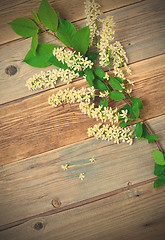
[38,180]
[116,200]
[136,20]
[71,10]
[136,214]
[28,126]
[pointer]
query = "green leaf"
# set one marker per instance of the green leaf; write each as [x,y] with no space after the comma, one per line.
[89,76]
[138,130]
[92,56]
[145,132]
[137,101]
[98,84]
[124,124]
[103,102]
[117,96]
[158,183]
[115,84]
[159,169]
[99,73]
[126,107]
[65,32]
[24,27]
[53,60]
[35,17]
[162,177]
[34,43]
[43,54]
[134,111]
[80,40]
[158,157]
[119,79]
[48,16]
[151,138]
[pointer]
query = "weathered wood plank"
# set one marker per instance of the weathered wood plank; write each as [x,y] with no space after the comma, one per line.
[29,186]
[32,127]
[135,214]
[136,27]
[72,11]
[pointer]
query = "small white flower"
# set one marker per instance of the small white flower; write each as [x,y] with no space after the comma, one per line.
[92,159]
[65,167]
[81,176]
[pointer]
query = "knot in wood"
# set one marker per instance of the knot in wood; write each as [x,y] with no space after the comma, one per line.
[11,70]
[38,226]
[56,203]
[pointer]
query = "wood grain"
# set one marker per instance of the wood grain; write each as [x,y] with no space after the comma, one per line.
[71,11]
[29,186]
[135,214]
[32,126]
[137,26]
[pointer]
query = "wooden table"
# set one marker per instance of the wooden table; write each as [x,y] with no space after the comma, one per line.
[116,200]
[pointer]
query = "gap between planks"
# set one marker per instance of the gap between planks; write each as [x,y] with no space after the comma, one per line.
[30,122]
[141,47]
[29,186]
[73,12]
[76,205]
[79,79]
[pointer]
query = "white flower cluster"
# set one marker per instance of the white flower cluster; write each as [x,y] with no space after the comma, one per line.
[99,113]
[71,96]
[73,61]
[120,59]
[83,97]
[124,114]
[49,78]
[106,36]
[92,12]
[107,132]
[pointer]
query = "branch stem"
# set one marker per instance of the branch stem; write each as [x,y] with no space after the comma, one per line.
[145,123]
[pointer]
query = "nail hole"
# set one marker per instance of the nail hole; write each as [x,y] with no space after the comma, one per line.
[129,43]
[38,226]
[137,195]
[11,70]
[56,203]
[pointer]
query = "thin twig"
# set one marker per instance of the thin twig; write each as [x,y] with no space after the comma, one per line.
[145,123]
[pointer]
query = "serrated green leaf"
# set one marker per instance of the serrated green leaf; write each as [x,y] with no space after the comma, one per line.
[43,54]
[35,17]
[134,111]
[159,169]
[117,96]
[53,60]
[137,101]
[115,84]
[99,73]
[158,183]
[103,102]
[126,107]
[119,79]
[89,76]
[124,124]
[24,27]
[158,157]
[34,43]
[98,84]
[80,40]
[138,130]
[152,138]
[92,56]
[65,32]
[48,16]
